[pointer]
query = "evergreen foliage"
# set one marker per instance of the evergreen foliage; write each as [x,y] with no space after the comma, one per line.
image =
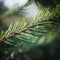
[33,39]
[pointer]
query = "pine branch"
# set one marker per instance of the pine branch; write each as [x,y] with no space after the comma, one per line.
[18,33]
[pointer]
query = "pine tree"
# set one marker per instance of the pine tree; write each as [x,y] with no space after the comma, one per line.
[33,39]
